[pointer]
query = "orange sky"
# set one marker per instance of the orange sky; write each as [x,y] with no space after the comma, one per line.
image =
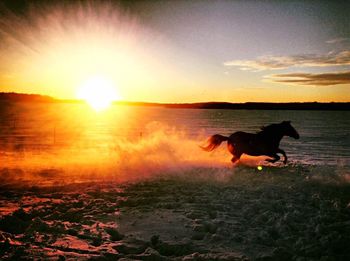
[178,52]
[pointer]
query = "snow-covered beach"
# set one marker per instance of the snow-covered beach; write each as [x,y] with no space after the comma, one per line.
[286,213]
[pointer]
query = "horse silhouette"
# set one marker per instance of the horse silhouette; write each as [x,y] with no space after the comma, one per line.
[266,142]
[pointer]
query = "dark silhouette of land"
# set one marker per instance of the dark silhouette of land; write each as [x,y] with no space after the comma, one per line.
[23,97]
[329,106]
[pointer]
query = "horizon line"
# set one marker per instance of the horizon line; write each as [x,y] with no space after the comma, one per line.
[53,99]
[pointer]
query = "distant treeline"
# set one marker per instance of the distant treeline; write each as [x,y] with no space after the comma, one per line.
[19,97]
[248,105]
[24,97]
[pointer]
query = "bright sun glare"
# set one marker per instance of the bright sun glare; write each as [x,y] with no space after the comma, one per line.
[98,92]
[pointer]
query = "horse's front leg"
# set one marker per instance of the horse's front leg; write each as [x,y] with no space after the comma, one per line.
[284,155]
[275,158]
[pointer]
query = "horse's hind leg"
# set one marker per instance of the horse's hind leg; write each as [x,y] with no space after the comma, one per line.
[230,147]
[236,156]
[234,159]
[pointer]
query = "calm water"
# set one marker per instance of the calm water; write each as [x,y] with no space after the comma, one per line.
[40,128]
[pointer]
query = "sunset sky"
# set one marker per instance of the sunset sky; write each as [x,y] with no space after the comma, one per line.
[178,51]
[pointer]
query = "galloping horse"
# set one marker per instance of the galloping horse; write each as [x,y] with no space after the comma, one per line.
[266,142]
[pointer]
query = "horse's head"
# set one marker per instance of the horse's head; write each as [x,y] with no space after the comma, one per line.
[288,130]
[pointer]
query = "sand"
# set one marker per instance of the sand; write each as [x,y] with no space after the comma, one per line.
[278,213]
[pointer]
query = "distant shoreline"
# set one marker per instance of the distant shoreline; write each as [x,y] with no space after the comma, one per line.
[333,106]
[328,106]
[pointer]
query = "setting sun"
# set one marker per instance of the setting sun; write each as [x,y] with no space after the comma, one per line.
[98,92]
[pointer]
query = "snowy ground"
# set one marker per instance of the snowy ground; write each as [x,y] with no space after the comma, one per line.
[279,213]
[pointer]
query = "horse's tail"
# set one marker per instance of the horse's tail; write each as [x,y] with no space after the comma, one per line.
[213,142]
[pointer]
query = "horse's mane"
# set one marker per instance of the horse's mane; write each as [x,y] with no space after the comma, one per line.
[272,128]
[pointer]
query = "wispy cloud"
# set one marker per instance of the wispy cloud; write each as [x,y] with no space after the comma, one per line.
[315,79]
[284,62]
[338,40]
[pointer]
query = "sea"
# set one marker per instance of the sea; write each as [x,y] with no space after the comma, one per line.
[144,138]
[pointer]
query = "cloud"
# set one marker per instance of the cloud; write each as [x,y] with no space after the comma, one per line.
[283,62]
[315,79]
[338,40]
